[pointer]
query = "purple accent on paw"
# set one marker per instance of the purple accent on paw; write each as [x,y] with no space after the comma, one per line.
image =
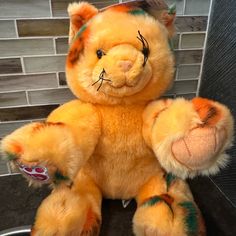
[39,173]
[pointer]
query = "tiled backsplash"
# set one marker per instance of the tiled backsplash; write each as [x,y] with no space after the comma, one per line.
[33,46]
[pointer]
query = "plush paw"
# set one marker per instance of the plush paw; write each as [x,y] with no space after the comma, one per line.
[40,151]
[201,146]
[190,137]
[166,208]
[66,213]
[163,215]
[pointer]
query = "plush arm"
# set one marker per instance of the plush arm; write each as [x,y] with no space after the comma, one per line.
[62,144]
[188,137]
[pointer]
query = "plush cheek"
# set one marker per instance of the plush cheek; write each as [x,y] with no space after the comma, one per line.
[160,60]
[110,68]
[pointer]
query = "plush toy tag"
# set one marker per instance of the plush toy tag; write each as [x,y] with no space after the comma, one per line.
[39,173]
[125,203]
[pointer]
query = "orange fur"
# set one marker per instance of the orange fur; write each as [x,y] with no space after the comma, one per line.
[91,220]
[79,13]
[16,148]
[117,139]
[121,8]
[208,113]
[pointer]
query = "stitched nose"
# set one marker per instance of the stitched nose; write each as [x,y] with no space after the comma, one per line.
[125,65]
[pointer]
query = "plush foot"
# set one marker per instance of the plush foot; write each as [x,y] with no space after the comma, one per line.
[166,208]
[70,212]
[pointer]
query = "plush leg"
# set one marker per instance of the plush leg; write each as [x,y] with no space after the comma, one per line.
[166,208]
[74,211]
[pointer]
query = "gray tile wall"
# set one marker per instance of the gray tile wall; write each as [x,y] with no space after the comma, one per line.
[33,46]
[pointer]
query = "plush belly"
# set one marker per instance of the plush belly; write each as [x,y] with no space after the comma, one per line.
[122,162]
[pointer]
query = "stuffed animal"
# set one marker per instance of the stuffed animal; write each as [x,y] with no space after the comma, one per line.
[118,140]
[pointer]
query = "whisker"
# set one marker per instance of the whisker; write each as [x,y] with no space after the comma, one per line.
[96,81]
[107,80]
[145,45]
[101,79]
[100,85]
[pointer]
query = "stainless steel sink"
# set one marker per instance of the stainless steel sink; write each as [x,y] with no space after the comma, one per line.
[18,231]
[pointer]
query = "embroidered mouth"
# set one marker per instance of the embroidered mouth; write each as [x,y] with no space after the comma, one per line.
[125,89]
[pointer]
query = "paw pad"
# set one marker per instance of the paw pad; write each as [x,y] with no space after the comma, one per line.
[199,148]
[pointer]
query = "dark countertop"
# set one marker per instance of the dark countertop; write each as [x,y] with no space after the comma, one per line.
[19,203]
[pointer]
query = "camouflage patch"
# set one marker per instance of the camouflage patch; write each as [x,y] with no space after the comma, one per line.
[11,156]
[82,29]
[169,180]
[152,201]
[58,178]
[172,9]
[165,198]
[137,12]
[191,221]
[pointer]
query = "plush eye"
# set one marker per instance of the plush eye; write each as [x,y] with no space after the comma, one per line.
[145,51]
[100,53]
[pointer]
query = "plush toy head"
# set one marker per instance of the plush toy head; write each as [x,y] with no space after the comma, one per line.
[119,55]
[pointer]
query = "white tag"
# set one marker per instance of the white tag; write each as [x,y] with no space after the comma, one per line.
[125,203]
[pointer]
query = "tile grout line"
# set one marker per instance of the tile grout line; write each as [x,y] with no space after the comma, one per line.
[31,105]
[34,90]
[176,73]
[35,37]
[16,29]
[35,55]
[30,73]
[180,41]
[50,7]
[37,18]
[204,48]
[54,46]
[32,56]
[58,80]
[193,32]
[27,97]
[22,65]
[184,10]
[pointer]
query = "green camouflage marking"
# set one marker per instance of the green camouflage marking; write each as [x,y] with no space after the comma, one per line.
[191,218]
[11,156]
[152,201]
[137,12]
[169,179]
[172,9]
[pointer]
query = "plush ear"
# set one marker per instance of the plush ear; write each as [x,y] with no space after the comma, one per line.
[79,13]
[167,17]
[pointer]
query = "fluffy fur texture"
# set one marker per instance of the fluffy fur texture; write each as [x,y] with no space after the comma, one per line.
[117,141]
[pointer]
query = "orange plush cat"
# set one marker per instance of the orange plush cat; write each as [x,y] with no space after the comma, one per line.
[117,140]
